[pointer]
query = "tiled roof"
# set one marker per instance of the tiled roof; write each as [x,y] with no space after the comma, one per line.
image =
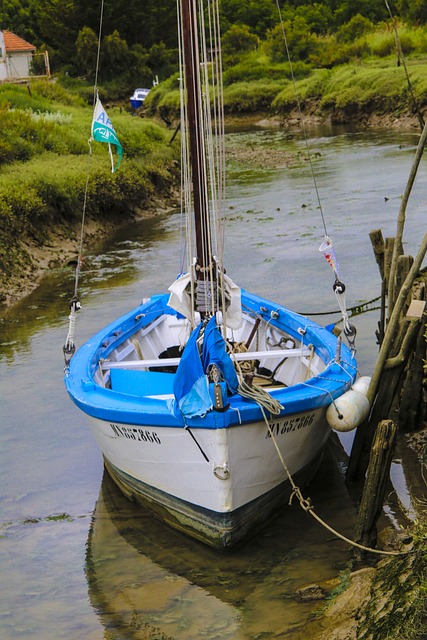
[15,43]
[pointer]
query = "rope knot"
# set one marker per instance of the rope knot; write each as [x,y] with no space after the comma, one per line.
[305,503]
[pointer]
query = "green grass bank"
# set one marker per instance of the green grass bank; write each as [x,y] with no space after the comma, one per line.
[350,93]
[46,172]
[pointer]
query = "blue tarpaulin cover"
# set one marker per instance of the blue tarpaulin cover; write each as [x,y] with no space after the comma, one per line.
[191,385]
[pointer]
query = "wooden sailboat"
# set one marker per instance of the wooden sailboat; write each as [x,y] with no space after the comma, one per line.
[208,402]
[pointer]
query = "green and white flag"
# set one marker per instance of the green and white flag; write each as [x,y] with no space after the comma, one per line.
[103,131]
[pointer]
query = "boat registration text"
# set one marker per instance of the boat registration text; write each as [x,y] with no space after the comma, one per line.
[135,433]
[290,424]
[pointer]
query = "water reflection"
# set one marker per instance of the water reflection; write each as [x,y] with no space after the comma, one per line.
[145,578]
[116,262]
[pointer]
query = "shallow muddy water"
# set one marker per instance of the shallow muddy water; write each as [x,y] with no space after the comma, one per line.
[77,560]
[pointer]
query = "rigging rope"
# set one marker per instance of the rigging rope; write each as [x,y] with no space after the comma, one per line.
[205,52]
[307,146]
[75,304]
[326,247]
[402,57]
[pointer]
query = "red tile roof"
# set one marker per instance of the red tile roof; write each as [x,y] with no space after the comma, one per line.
[15,43]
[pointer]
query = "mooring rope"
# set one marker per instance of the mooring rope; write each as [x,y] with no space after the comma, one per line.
[252,391]
[308,507]
[353,311]
[267,403]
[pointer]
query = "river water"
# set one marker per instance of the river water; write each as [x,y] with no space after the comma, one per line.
[77,559]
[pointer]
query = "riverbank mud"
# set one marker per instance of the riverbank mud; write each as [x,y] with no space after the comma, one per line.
[63,247]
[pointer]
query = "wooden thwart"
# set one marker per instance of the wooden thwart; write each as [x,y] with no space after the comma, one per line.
[246,355]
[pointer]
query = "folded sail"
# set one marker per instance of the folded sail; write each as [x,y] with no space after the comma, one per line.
[191,385]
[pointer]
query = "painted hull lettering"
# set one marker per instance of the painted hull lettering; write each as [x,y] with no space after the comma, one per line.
[289,425]
[135,433]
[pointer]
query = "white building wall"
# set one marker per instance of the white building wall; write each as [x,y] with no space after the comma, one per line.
[18,65]
[3,67]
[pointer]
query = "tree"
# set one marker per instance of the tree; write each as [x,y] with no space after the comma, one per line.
[343,10]
[59,26]
[258,15]
[354,28]
[413,10]
[374,10]
[236,41]
[161,61]
[18,16]
[318,16]
[301,42]
[86,52]
[114,56]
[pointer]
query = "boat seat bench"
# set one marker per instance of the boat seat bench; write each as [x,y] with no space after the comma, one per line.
[168,362]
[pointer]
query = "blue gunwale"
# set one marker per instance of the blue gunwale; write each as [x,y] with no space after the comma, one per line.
[117,407]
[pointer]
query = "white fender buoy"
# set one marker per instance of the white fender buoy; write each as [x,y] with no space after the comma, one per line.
[349,410]
[362,384]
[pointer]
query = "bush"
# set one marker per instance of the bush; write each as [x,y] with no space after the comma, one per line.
[140,138]
[353,88]
[250,97]
[332,53]
[157,94]
[257,67]
[169,106]
[237,41]
[355,28]
[310,88]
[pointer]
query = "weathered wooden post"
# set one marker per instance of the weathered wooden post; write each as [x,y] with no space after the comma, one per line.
[411,408]
[375,484]
[402,340]
[378,246]
[396,338]
[402,214]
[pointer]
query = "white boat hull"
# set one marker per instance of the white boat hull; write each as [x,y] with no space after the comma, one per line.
[213,483]
[217,476]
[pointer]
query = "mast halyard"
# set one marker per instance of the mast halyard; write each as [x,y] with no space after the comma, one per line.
[205,273]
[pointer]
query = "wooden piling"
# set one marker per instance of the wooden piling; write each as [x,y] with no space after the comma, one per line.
[377,242]
[402,212]
[375,485]
[394,319]
[396,339]
[388,255]
[390,381]
[410,406]
[378,246]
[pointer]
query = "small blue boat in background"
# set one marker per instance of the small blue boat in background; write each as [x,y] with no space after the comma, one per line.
[138,97]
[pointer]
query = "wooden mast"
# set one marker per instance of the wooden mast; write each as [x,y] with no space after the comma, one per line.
[196,138]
